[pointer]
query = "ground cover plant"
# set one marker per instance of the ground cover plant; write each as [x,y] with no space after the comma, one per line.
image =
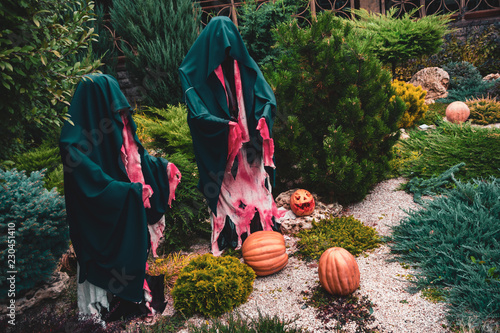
[342,309]
[454,242]
[236,322]
[430,153]
[346,232]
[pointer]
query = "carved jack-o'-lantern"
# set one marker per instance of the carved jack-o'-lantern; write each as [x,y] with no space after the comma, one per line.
[302,203]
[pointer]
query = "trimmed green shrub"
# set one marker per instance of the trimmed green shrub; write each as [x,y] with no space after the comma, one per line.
[346,232]
[32,227]
[414,98]
[212,285]
[484,111]
[337,118]
[453,240]
[448,145]
[160,33]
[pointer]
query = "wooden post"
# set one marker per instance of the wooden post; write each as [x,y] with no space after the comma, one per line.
[312,3]
[422,9]
[234,17]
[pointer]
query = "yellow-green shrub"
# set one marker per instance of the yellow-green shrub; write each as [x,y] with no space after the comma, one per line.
[414,98]
[212,285]
[484,111]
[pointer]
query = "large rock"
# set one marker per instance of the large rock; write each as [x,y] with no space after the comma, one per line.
[292,224]
[434,80]
[491,77]
[49,290]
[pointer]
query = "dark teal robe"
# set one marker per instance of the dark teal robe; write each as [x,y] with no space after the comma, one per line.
[106,215]
[209,116]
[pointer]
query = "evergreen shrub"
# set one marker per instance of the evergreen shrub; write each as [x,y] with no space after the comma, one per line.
[414,98]
[462,73]
[465,82]
[337,118]
[346,232]
[256,22]
[484,111]
[453,240]
[158,36]
[212,285]
[165,132]
[45,158]
[33,223]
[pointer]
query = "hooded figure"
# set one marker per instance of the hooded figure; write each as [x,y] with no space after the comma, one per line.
[116,194]
[231,112]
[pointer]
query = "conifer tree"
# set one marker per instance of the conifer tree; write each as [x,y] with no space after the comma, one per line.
[161,33]
[337,112]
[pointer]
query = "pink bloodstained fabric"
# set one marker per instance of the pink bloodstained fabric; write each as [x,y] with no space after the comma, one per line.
[132,161]
[246,194]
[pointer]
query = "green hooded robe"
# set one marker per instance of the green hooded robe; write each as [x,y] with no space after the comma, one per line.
[210,112]
[105,210]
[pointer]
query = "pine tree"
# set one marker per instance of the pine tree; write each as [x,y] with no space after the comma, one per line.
[160,33]
[337,113]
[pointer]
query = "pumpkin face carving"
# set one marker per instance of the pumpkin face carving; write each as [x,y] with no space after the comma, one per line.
[302,203]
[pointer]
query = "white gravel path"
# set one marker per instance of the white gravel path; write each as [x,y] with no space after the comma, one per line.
[382,281]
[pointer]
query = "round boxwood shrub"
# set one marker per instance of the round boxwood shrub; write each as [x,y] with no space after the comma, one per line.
[32,227]
[212,285]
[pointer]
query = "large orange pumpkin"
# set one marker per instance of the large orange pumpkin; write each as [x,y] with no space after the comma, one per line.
[302,203]
[338,271]
[265,252]
[457,112]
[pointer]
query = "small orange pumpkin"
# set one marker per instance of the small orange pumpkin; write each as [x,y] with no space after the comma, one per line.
[338,271]
[265,252]
[302,203]
[457,112]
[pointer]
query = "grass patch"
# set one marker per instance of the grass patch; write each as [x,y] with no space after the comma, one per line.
[454,240]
